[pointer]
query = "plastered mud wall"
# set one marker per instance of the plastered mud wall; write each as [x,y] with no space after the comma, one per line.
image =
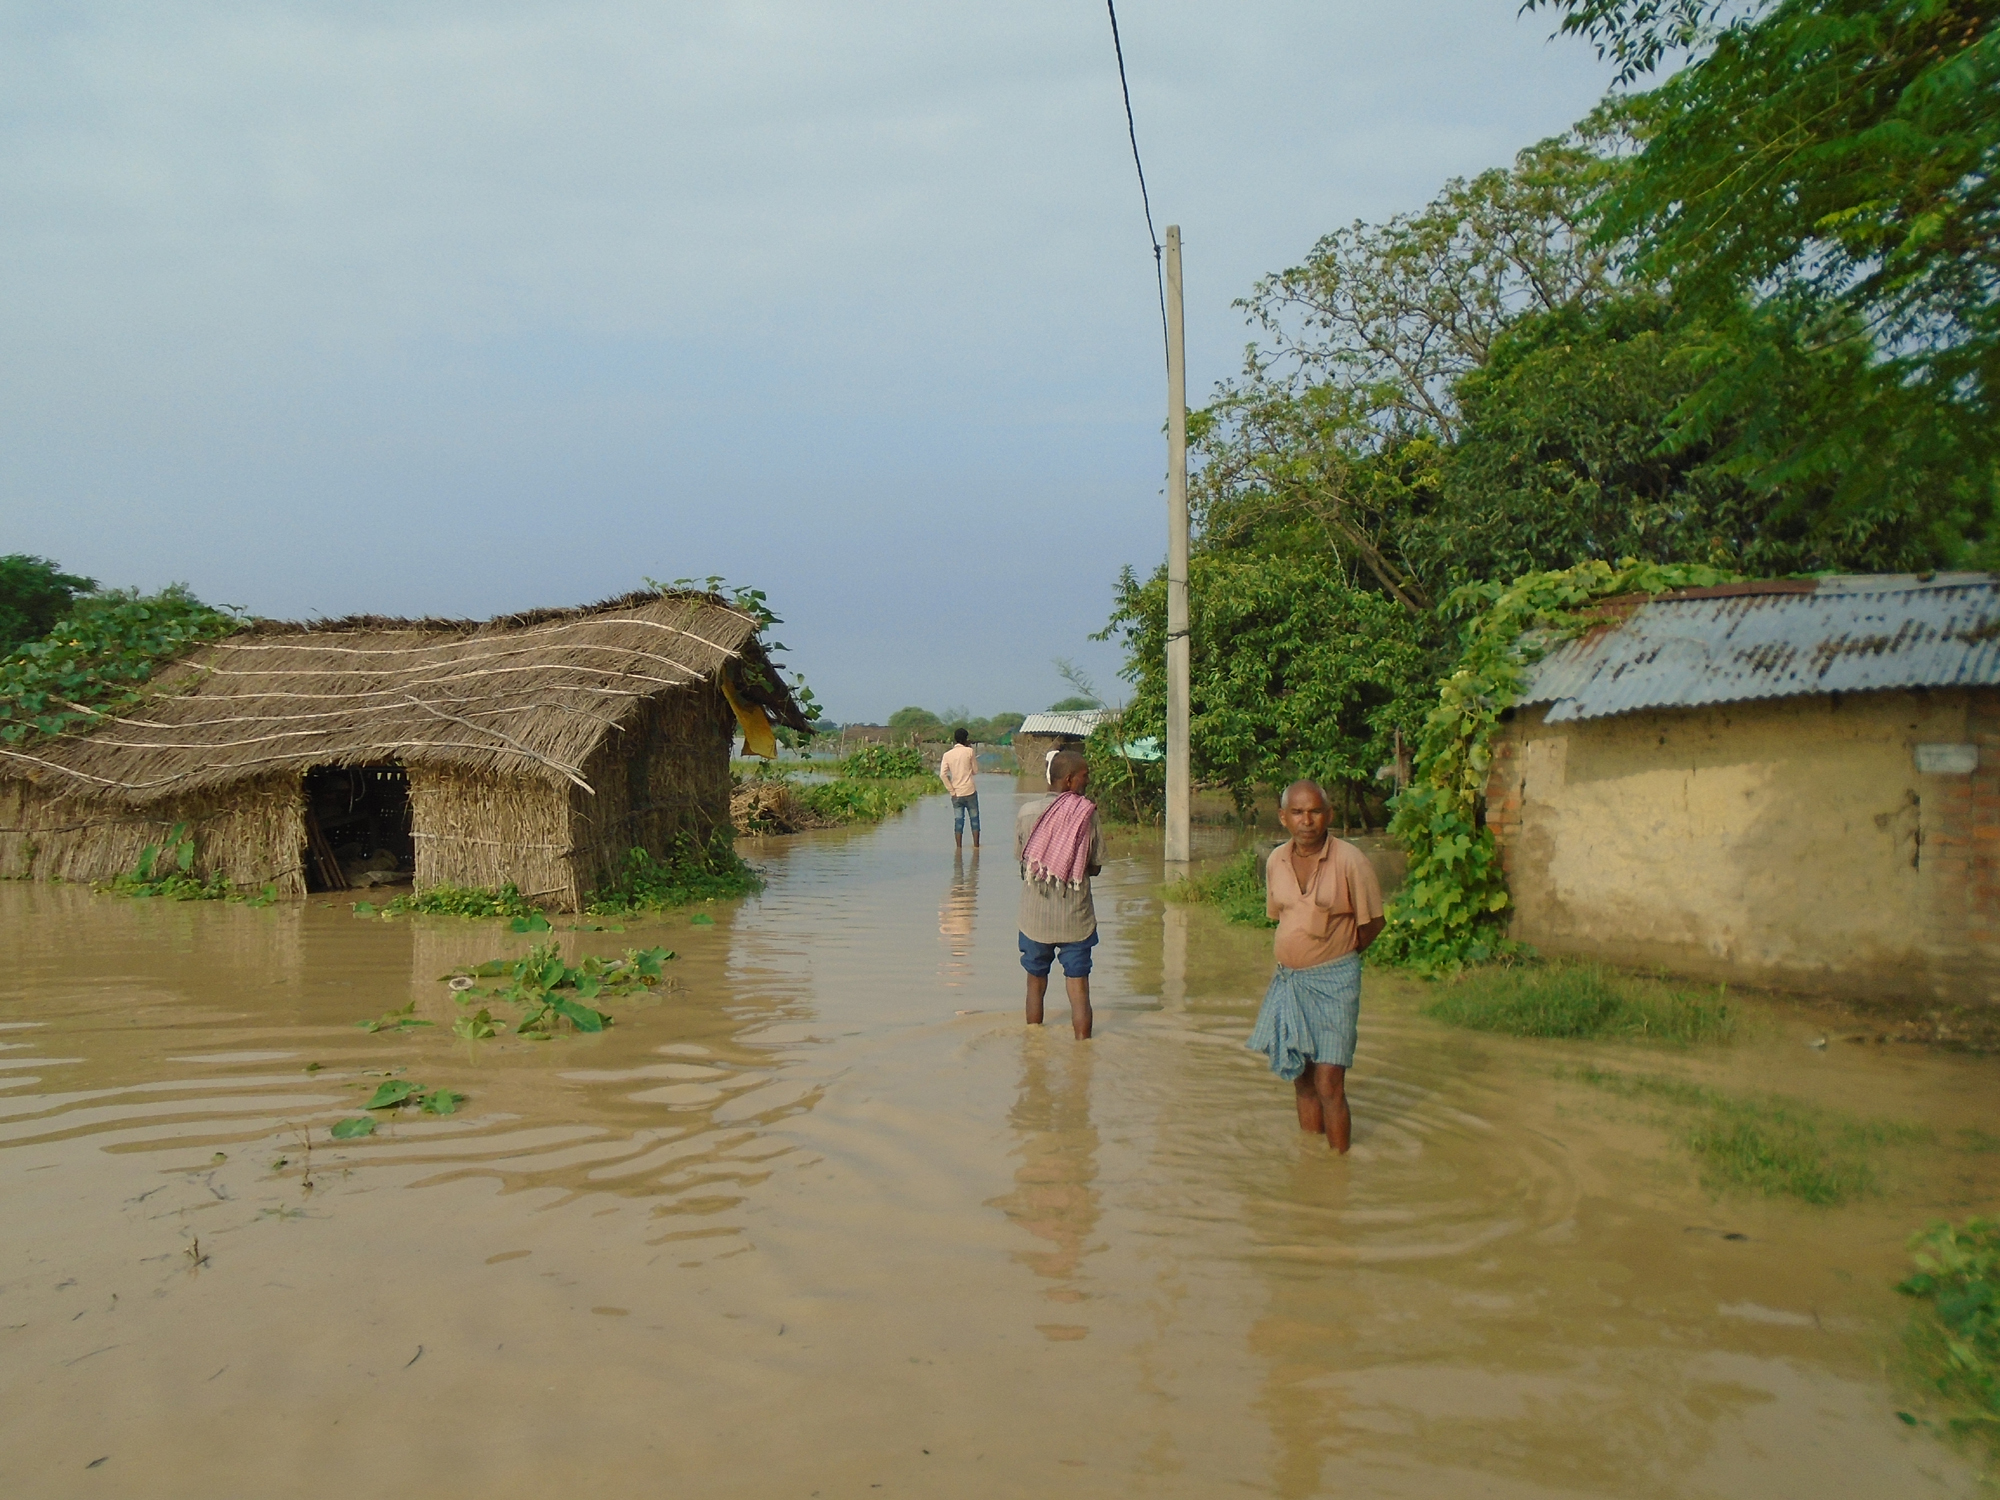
[1793,843]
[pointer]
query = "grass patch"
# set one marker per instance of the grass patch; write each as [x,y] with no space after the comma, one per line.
[1578,1000]
[1236,889]
[1768,1144]
[691,872]
[1955,1335]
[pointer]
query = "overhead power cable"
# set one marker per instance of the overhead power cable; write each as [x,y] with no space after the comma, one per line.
[1132,132]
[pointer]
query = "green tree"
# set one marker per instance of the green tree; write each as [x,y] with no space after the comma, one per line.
[34,594]
[1825,168]
[1076,703]
[1340,419]
[1568,452]
[919,723]
[998,729]
[1293,671]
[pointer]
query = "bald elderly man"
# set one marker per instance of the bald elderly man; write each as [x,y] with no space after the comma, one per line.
[1322,893]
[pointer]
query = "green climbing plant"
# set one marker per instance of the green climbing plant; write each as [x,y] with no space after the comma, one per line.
[1453,907]
[100,658]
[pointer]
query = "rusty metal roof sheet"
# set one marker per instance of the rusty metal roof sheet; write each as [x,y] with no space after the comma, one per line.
[1827,635]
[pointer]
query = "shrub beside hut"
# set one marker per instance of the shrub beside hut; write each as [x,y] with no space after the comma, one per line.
[536,749]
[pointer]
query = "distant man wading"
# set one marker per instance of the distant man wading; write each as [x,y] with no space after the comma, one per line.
[1328,906]
[958,771]
[1059,846]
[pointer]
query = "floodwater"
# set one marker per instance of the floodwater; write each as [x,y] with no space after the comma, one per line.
[825,1221]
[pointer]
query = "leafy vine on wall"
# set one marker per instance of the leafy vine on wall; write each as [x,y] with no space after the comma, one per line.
[1453,907]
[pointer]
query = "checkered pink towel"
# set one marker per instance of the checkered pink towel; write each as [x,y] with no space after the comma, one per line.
[1059,848]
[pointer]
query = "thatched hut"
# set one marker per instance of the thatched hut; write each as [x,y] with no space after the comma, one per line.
[537,749]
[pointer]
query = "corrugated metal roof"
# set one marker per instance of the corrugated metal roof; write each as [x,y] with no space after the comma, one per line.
[1078,724]
[1831,635]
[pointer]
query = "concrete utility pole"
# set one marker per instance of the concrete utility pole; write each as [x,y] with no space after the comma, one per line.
[1177,562]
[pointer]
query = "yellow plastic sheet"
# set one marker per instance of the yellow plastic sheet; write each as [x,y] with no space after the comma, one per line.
[755,723]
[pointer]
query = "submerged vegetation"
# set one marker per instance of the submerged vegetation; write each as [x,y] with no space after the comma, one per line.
[693,870]
[166,870]
[885,762]
[1235,889]
[554,994]
[1955,1335]
[458,901]
[872,784]
[394,1094]
[1767,1144]
[1577,1000]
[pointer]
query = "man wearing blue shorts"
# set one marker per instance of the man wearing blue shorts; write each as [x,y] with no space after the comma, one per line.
[1059,846]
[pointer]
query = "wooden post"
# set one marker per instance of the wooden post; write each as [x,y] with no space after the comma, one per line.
[1177,562]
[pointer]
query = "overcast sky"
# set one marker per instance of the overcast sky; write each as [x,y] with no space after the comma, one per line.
[459,308]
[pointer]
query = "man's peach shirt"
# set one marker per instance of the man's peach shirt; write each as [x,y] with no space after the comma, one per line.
[958,768]
[1318,929]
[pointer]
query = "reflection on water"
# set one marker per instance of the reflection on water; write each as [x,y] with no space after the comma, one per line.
[1053,1199]
[956,918]
[821,1217]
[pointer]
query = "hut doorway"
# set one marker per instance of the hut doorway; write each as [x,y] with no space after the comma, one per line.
[358,830]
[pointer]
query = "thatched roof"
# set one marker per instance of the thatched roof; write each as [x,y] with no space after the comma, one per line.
[528,694]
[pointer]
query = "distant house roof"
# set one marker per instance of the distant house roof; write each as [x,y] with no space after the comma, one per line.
[1779,639]
[1077,725]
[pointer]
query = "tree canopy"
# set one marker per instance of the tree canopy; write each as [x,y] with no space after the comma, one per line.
[1743,321]
[1819,179]
[34,594]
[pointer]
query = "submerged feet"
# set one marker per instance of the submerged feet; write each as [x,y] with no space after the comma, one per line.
[1321,1091]
[1080,1015]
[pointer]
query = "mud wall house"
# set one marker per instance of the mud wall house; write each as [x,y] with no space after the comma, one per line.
[1792,784]
[536,748]
[1041,733]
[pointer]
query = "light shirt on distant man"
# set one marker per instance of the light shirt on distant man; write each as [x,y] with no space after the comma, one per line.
[1050,911]
[959,768]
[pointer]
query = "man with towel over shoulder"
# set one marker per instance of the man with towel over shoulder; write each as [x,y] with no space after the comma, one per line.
[1327,903]
[1059,846]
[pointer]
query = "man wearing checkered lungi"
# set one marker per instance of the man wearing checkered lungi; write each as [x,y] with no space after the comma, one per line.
[1323,895]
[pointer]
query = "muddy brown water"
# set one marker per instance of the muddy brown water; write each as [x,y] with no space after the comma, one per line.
[825,1221]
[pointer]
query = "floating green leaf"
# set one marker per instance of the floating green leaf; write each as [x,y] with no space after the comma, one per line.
[347,1130]
[475,1028]
[390,1094]
[552,991]
[582,1017]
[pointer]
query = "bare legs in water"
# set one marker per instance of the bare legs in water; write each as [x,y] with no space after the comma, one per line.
[1322,1097]
[1079,1003]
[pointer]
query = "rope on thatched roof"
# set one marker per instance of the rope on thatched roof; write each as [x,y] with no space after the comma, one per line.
[539,691]
[568,771]
[465,640]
